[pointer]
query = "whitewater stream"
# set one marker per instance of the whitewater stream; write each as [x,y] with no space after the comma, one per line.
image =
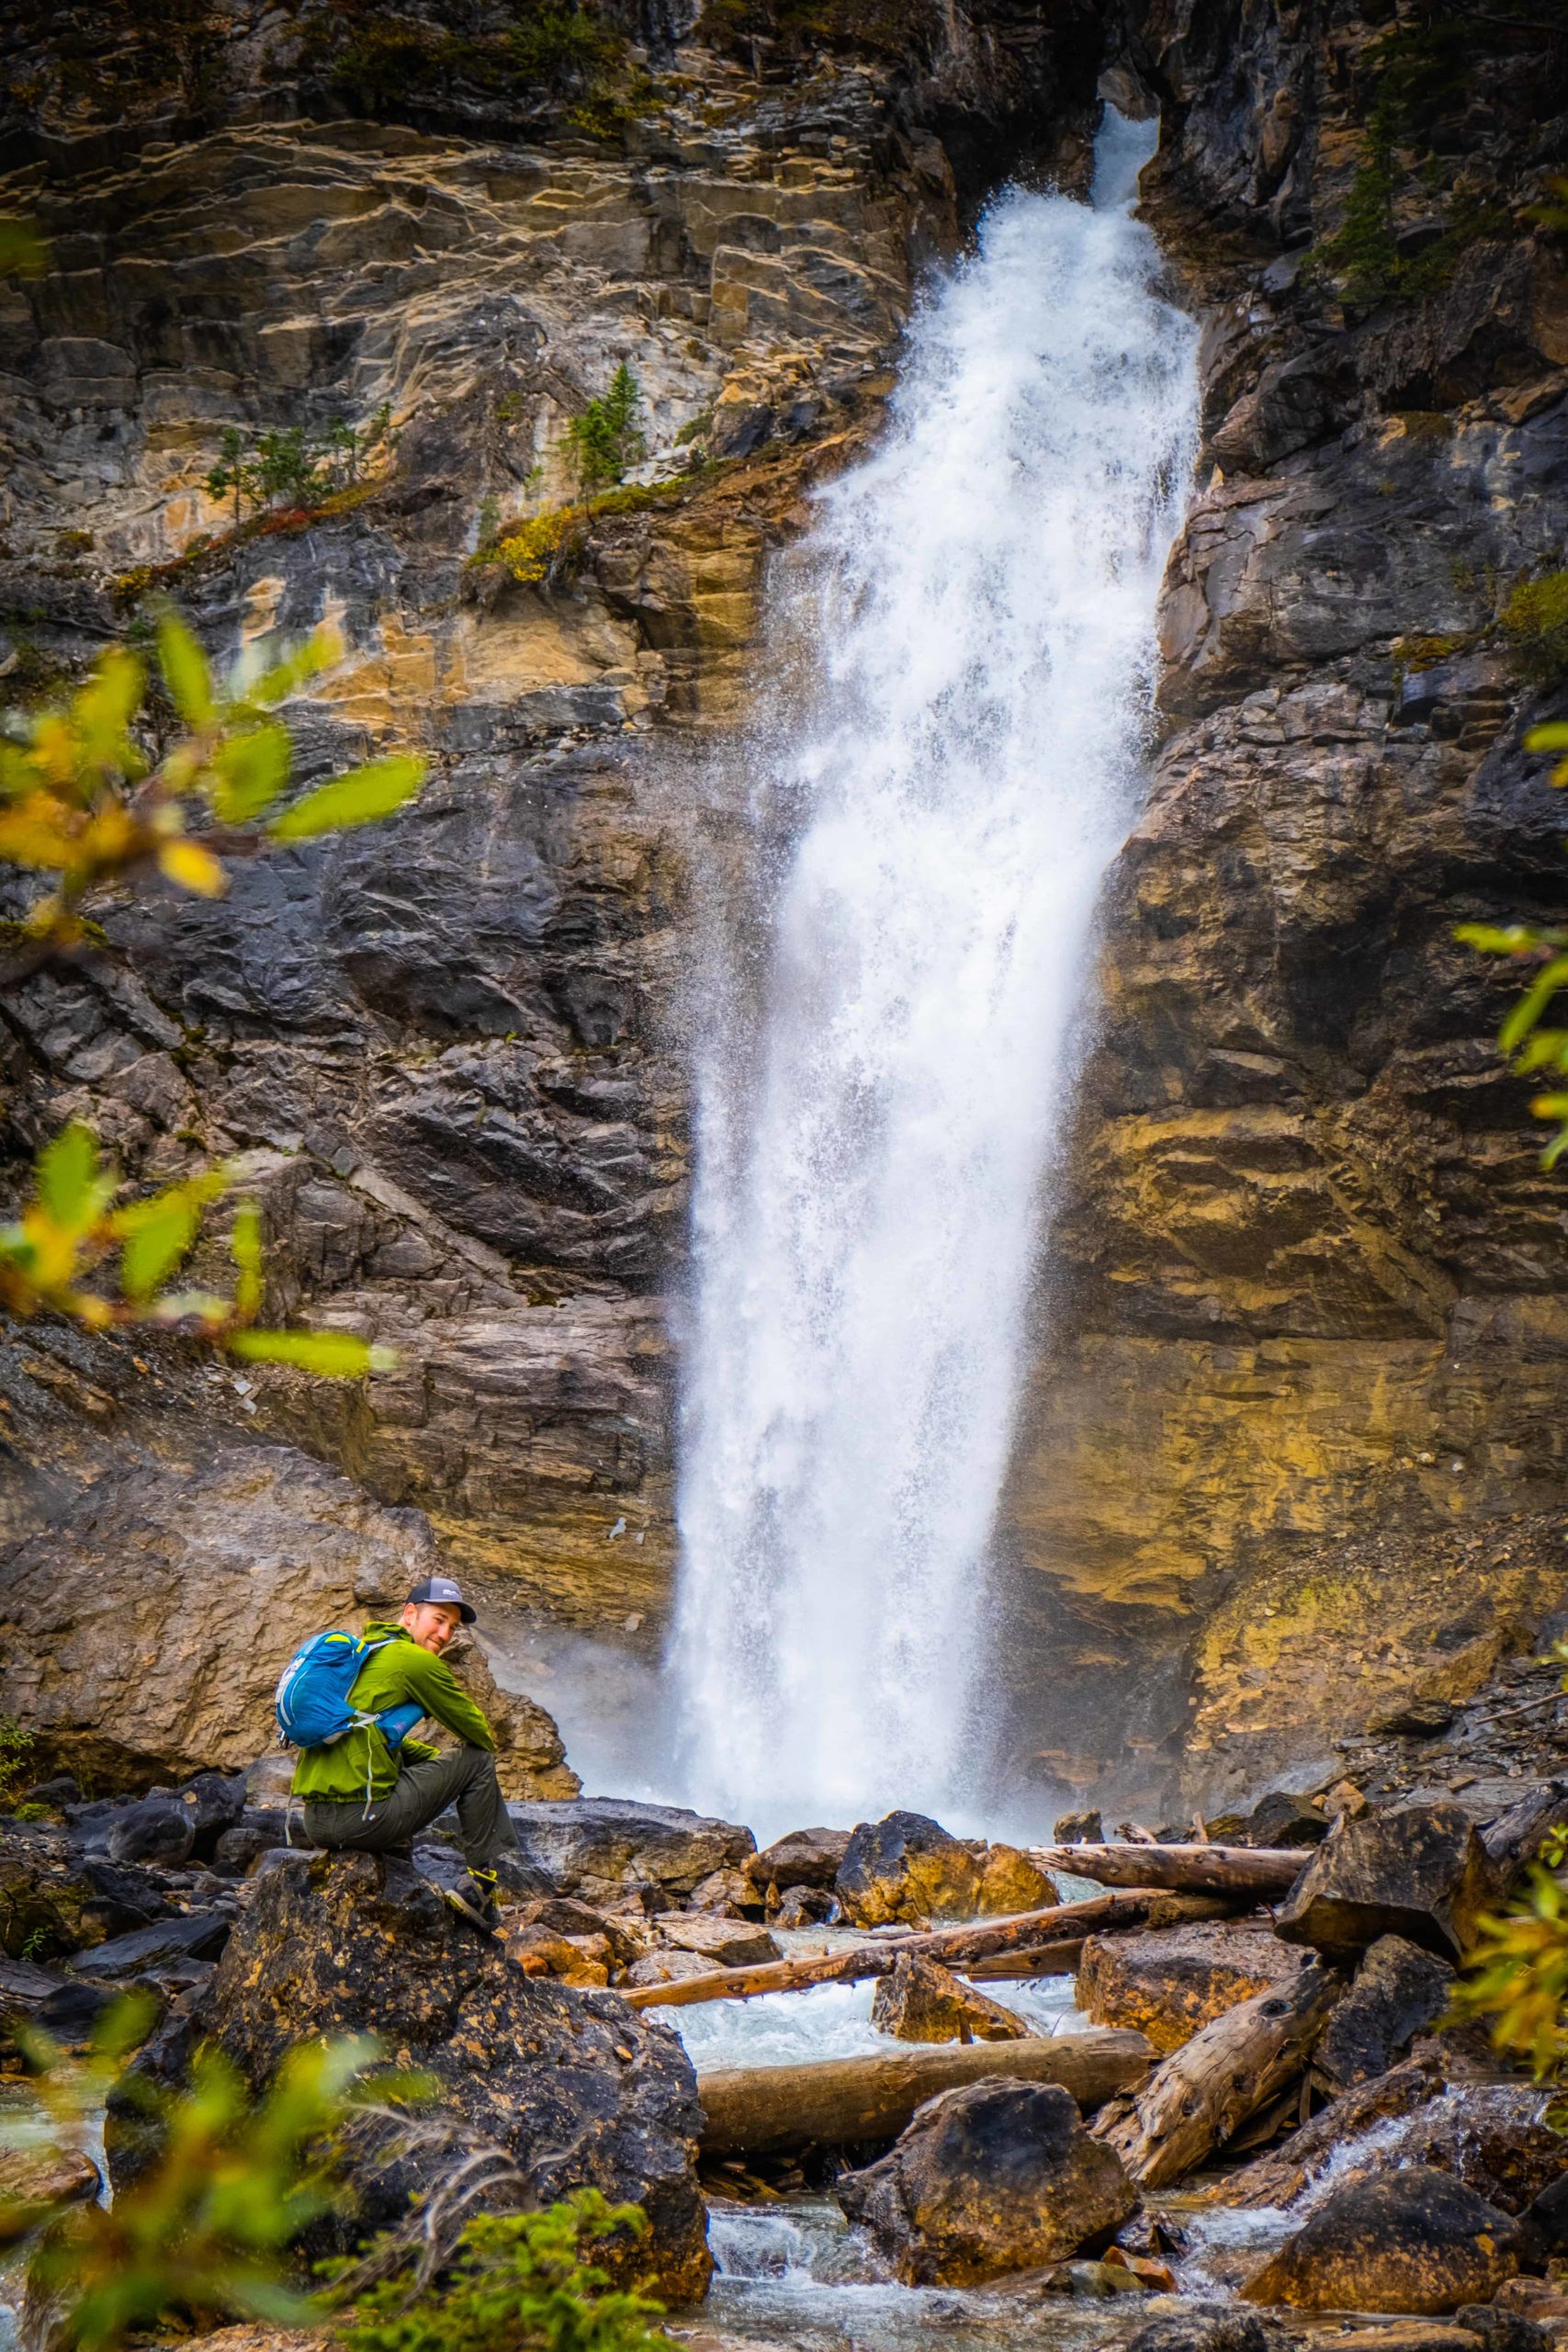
[951,757]
[793,2272]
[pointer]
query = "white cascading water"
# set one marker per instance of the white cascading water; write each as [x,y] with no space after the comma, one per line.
[968,632]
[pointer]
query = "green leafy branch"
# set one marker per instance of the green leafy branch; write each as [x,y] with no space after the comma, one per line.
[1525,1038]
[203,2231]
[69,1231]
[82,800]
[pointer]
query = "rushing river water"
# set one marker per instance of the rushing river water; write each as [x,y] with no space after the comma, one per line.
[794,2272]
[965,641]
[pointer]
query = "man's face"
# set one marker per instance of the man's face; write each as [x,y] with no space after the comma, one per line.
[430,1624]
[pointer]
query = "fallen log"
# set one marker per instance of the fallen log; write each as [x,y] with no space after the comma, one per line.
[1205,2091]
[835,2102]
[955,1947]
[1198,1870]
[1059,1958]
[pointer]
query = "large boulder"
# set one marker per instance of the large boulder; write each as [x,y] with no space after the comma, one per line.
[574,2088]
[1416,1871]
[1172,1982]
[905,1870]
[1399,1991]
[805,1857]
[147,1631]
[734,1943]
[991,2177]
[1202,2327]
[1412,2239]
[923,2001]
[600,1847]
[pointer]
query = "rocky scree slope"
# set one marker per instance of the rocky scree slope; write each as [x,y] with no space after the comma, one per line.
[451,1045]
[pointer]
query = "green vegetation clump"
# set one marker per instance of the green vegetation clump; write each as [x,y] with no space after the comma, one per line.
[1534,623]
[607,437]
[520,2283]
[203,2233]
[16,1762]
[392,60]
[1420,72]
[291,468]
[531,549]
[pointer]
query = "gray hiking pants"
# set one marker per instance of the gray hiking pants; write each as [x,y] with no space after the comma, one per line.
[466,1776]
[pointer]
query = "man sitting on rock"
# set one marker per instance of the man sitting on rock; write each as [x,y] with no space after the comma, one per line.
[363,1797]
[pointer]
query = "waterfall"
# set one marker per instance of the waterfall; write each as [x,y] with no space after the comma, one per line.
[966,638]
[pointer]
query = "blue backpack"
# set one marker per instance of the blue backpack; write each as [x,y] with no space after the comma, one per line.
[312,1701]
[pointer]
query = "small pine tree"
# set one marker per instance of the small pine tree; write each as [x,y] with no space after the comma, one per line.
[607,437]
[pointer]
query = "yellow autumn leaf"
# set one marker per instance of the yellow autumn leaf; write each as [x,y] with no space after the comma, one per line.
[194,868]
[28,837]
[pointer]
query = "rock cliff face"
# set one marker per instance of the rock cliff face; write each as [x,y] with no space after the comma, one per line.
[451,1046]
[1292,1442]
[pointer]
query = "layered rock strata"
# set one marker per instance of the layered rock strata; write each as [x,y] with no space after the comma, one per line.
[1291,1445]
[1289,1450]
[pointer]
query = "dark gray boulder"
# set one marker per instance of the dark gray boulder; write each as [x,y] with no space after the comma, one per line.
[906,1869]
[1399,1990]
[1417,1871]
[1206,2327]
[805,1857]
[199,1935]
[566,2089]
[991,2177]
[600,1847]
[159,1830]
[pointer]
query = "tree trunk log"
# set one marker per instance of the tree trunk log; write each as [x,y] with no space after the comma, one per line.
[758,2110]
[1206,2090]
[953,1946]
[1034,1960]
[1199,1870]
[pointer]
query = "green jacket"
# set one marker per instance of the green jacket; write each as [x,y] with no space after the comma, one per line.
[400,1672]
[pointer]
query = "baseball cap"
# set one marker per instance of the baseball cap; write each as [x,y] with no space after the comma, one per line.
[445,1595]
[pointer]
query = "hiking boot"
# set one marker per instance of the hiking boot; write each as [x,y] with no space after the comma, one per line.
[477,1901]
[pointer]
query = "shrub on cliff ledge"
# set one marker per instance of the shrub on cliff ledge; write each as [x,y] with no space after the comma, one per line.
[1534,623]
[607,436]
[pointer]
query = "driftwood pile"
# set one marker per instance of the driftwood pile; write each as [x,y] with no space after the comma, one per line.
[1243,1986]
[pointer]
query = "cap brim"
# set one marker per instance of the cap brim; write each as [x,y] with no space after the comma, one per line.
[468,1615]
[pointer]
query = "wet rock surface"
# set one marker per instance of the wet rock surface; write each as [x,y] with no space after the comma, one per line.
[906,1869]
[923,2001]
[1415,2240]
[602,1848]
[1417,1871]
[1399,1991]
[575,2089]
[1170,1982]
[992,2178]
